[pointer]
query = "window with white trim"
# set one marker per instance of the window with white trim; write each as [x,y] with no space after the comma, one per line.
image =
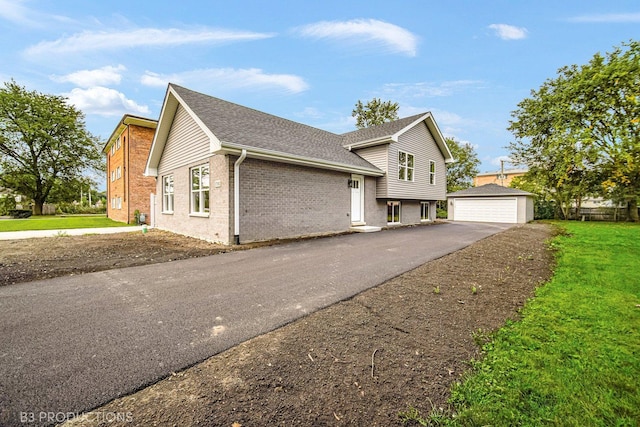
[405,166]
[118,143]
[167,194]
[393,212]
[432,172]
[118,173]
[113,175]
[424,211]
[200,190]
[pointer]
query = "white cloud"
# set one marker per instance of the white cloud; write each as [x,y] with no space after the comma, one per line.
[115,40]
[14,11]
[221,78]
[104,101]
[97,77]
[509,32]
[364,31]
[611,18]
[429,89]
[310,113]
[497,161]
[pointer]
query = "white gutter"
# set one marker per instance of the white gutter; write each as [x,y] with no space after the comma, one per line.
[262,154]
[236,197]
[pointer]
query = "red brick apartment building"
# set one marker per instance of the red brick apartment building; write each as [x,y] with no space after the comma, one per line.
[127,150]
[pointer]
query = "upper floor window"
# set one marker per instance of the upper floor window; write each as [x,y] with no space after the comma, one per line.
[405,166]
[167,193]
[113,149]
[118,173]
[118,143]
[200,189]
[432,172]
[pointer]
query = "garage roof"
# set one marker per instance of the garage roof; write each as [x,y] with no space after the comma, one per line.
[489,190]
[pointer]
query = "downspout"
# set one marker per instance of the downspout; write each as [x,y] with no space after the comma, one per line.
[236,196]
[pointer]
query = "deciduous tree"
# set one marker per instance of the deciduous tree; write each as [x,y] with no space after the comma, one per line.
[43,143]
[374,112]
[461,172]
[583,127]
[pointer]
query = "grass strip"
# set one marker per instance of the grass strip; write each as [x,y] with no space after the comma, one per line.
[58,223]
[574,358]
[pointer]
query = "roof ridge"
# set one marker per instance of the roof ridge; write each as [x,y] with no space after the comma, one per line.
[255,110]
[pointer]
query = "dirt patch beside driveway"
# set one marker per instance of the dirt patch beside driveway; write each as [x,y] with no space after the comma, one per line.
[34,259]
[361,361]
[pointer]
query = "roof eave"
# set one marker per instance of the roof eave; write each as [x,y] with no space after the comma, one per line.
[169,107]
[435,131]
[387,139]
[262,154]
[126,120]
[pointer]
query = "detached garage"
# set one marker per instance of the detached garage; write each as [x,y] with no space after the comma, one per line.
[490,203]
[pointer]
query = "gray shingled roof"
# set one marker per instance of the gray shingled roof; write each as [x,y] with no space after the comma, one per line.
[235,124]
[379,131]
[489,190]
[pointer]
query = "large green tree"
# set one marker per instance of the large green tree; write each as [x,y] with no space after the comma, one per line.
[583,128]
[374,112]
[461,172]
[43,143]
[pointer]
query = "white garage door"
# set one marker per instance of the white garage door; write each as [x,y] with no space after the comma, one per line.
[486,210]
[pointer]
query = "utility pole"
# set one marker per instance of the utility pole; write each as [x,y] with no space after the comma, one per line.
[502,173]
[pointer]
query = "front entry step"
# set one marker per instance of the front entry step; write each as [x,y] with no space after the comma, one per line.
[365,228]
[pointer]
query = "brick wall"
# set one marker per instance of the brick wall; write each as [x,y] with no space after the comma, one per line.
[139,186]
[116,189]
[214,227]
[278,200]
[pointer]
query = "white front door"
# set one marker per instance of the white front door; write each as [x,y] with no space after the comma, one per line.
[357,198]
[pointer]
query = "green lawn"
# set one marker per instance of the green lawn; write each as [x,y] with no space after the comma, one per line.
[574,358]
[58,223]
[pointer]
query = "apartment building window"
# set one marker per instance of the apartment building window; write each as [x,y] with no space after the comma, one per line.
[393,212]
[167,194]
[118,143]
[432,172]
[405,166]
[118,173]
[200,190]
[113,175]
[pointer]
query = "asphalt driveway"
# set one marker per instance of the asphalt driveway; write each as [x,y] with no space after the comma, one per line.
[73,343]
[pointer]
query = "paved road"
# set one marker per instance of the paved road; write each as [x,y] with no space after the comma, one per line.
[73,343]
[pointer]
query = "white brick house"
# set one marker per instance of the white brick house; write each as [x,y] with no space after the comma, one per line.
[228,173]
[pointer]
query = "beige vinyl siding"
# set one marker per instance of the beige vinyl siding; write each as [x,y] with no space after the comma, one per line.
[419,142]
[187,143]
[379,157]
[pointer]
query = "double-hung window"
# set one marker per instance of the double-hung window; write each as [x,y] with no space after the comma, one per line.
[167,194]
[405,166]
[200,190]
[432,172]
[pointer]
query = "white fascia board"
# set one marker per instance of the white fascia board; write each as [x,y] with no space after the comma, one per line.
[169,107]
[435,131]
[275,156]
[371,142]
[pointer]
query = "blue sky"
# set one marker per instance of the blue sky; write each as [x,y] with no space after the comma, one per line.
[468,62]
